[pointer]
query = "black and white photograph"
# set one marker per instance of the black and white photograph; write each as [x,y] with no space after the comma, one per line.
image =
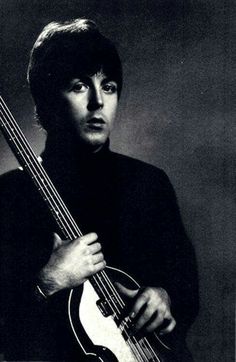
[117,181]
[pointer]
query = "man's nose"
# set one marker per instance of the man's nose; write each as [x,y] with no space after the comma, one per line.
[95,99]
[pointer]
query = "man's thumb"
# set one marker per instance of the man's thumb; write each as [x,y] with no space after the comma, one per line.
[57,241]
[131,293]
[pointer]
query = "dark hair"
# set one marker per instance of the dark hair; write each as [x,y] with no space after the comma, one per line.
[66,50]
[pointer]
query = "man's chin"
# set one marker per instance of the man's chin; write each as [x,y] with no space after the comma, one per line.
[94,142]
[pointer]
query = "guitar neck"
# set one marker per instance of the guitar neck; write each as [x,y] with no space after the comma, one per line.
[30,163]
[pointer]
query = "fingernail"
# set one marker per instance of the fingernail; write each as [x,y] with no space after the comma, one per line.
[132,315]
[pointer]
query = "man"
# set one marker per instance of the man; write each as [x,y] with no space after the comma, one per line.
[75,78]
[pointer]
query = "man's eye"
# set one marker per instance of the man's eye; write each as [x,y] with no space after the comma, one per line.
[110,88]
[79,87]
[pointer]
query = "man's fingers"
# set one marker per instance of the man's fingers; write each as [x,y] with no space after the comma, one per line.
[99,266]
[97,258]
[148,315]
[91,238]
[170,327]
[88,238]
[154,324]
[95,248]
[151,321]
[139,304]
[151,310]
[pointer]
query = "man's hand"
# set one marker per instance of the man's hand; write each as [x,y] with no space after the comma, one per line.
[71,263]
[150,310]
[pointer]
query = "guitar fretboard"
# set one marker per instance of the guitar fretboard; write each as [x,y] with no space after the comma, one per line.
[29,162]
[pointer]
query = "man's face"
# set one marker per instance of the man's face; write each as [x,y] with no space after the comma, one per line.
[90,105]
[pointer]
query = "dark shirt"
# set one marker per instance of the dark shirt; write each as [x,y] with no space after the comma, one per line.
[130,205]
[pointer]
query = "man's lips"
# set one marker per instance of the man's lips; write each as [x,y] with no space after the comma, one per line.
[96,120]
[96,123]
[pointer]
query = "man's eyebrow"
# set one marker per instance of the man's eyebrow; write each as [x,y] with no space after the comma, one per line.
[108,79]
[87,78]
[79,78]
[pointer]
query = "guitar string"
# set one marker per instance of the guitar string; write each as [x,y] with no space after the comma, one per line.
[26,163]
[42,189]
[132,346]
[128,341]
[141,353]
[49,201]
[144,339]
[29,164]
[38,165]
[148,348]
[126,328]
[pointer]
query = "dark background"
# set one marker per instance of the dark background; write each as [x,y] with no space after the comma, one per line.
[175,112]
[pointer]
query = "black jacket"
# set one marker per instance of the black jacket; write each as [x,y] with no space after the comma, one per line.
[132,207]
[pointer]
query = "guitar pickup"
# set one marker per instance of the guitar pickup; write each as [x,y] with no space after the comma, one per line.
[104,308]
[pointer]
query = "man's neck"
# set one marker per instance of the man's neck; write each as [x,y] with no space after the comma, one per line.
[71,150]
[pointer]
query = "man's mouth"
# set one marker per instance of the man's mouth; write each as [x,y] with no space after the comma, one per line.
[96,123]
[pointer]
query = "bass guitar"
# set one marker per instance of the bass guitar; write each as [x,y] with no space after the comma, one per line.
[98,317]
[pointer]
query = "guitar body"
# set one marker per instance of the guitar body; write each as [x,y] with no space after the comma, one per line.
[98,334]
